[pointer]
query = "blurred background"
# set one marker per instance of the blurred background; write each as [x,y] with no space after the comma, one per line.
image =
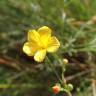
[74,24]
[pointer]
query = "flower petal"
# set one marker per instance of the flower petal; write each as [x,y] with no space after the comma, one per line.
[53,45]
[30,48]
[33,36]
[40,55]
[44,31]
[45,34]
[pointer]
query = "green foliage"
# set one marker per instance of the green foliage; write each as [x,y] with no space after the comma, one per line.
[17,17]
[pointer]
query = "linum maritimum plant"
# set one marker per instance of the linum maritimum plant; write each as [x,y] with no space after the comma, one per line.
[39,42]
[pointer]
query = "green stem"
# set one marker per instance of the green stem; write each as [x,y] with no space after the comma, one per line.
[63,70]
[53,67]
[62,67]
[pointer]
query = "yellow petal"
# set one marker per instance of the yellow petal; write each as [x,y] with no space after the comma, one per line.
[33,36]
[40,55]
[45,34]
[53,45]
[44,31]
[30,48]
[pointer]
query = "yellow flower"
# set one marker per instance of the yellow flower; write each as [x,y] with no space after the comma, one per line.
[40,42]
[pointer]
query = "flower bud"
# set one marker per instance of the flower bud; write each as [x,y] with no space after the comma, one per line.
[56,89]
[70,87]
[65,61]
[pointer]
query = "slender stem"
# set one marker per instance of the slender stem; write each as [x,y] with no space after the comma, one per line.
[63,82]
[52,66]
[62,68]
[63,79]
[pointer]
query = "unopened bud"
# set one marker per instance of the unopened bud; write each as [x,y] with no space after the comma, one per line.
[56,89]
[65,61]
[70,87]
